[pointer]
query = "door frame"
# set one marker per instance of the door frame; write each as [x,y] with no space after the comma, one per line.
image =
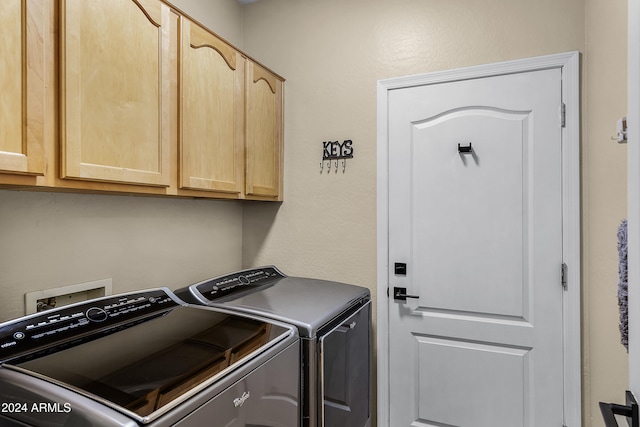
[569,63]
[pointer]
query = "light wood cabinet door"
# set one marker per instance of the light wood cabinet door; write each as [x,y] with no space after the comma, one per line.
[264,133]
[115,91]
[22,32]
[212,107]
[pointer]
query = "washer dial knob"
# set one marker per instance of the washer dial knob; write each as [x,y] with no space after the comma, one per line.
[96,314]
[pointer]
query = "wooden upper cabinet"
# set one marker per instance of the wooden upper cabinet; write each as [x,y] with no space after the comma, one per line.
[264,133]
[212,112]
[115,80]
[22,32]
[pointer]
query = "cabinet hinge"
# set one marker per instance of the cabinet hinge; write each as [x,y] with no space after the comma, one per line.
[563,115]
[564,276]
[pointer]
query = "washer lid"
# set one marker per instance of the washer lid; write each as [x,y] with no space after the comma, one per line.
[147,366]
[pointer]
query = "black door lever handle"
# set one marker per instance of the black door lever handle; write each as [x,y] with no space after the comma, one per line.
[401,294]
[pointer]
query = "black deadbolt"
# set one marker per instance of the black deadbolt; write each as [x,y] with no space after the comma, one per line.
[400,268]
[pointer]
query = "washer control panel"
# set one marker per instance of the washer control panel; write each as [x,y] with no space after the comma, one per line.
[65,324]
[222,286]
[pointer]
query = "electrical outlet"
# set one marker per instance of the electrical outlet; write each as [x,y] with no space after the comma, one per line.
[57,297]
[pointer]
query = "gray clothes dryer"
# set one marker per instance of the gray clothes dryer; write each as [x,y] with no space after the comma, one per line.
[334,323]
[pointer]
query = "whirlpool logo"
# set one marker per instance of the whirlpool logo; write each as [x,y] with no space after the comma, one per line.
[239,401]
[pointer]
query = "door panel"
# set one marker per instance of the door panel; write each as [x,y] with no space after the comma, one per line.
[346,372]
[22,29]
[454,364]
[487,192]
[115,91]
[481,233]
[264,112]
[212,113]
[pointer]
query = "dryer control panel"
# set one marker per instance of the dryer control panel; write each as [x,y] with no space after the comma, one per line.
[70,325]
[221,286]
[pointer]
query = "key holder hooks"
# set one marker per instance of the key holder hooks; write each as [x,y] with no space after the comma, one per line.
[333,152]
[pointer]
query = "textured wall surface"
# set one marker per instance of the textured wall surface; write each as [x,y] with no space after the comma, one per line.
[332,53]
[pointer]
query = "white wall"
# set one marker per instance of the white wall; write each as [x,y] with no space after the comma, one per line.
[332,52]
[634,188]
[223,17]
[605,204]
[50,240]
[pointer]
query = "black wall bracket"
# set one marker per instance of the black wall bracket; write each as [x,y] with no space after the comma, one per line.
[630,410]
[465,149]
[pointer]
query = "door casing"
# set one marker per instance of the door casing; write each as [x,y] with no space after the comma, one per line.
[569,63]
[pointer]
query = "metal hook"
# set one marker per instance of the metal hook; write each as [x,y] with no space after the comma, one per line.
[467,149]
[321,166]
[344,165]
[336,166]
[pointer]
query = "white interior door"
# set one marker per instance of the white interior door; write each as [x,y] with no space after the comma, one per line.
[479,228]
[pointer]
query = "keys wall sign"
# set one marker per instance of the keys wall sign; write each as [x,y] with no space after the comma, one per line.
[333,152]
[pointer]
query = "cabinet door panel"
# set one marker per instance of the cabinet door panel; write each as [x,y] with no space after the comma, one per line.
[22,25]
[212,113]
[264,125]
[115,91]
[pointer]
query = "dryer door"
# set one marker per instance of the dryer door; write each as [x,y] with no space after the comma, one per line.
[345,360]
